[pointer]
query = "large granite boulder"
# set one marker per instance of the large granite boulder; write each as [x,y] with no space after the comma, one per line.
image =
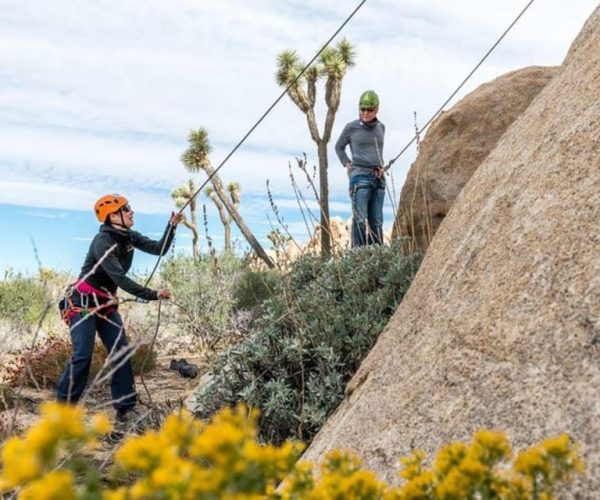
[456,144]
[501,326]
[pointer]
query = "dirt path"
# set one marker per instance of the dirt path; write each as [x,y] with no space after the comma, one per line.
[160,392]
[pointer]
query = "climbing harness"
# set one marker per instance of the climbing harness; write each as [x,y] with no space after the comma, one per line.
[86,300]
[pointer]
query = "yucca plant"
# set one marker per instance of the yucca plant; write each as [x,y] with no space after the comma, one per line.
[332,65]
[233,191]
[196,158]
[182,195]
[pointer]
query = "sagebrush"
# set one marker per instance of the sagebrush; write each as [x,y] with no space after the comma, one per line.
[202,295]
[309,339]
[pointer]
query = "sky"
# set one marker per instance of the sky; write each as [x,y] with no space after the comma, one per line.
[99,97]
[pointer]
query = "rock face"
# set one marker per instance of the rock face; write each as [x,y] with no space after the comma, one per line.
[501,326]
[456,144]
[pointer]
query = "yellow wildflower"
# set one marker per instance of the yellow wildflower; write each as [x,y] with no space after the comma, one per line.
[419,487]
[300,481]
[531,462]
[140,453]
[449,457]
[21,464]
[100,424]
[56,485]
[473,468]
[178,429]
[490,446]
[412,465]
[174,471]
[118,494]
[563,450]
[64,419]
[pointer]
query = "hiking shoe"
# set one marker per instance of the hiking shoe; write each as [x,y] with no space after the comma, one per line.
[188,371]
[176,363]
[129,420]
[185,369]
[127,415]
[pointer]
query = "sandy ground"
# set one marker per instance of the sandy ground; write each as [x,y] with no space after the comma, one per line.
[160,393]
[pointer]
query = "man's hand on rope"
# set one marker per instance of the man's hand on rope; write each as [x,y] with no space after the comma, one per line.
[164,293]
[379,172]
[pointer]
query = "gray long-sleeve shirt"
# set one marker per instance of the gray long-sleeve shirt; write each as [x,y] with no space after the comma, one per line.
[366,144]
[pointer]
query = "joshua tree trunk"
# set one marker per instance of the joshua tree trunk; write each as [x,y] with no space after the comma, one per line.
[235,215]
[182,195]
[193,228]
[324,199]
[225,219]
[227,229]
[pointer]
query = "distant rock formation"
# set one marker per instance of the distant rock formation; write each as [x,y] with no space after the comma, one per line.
[456,144]
[501,326]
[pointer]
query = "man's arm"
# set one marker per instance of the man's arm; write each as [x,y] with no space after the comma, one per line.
[341,144]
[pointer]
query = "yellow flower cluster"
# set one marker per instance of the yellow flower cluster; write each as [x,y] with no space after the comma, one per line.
[478,470]
[29,460]
[342,477]
[222,459]
[189,459]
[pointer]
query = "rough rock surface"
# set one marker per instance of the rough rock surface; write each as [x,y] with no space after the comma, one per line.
[501,326]
[456,144]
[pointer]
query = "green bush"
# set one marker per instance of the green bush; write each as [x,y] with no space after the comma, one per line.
[252,288]
[23,299]
[202,292]
[309,339]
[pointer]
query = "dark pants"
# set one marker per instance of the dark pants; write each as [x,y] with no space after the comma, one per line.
[368,194]
[74,378]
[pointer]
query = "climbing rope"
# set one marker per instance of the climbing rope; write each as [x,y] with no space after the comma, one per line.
[258,122]
[390,163]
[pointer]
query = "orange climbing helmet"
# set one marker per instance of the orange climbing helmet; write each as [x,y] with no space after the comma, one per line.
[109,204]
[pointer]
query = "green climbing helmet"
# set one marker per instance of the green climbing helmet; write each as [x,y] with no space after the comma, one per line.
[368,99]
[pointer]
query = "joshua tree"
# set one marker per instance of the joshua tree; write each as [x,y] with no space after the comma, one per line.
[333,64]
[233,190]
[195,158]
[182,195]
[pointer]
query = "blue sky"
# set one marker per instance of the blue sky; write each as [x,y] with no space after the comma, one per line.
[98,97]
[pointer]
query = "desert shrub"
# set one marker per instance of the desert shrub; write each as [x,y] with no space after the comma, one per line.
[202,291]
[23,299]
[43,364]
[222,459]
[309,339]
[252,288]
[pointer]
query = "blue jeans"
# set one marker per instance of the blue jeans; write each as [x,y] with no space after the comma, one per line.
[367,194]
[73,380]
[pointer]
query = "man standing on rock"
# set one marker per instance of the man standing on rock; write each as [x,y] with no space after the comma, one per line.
[365,170]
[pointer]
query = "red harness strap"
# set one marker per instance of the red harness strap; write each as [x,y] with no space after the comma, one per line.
[88,294]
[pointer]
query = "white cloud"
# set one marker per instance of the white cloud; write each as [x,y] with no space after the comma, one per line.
[99,96]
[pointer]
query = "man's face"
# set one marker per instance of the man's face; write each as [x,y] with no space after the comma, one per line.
[367,114]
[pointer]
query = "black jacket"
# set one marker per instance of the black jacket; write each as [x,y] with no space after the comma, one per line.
[112,271]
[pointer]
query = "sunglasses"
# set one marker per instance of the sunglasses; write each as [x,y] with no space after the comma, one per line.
[126,209]
[367,110]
